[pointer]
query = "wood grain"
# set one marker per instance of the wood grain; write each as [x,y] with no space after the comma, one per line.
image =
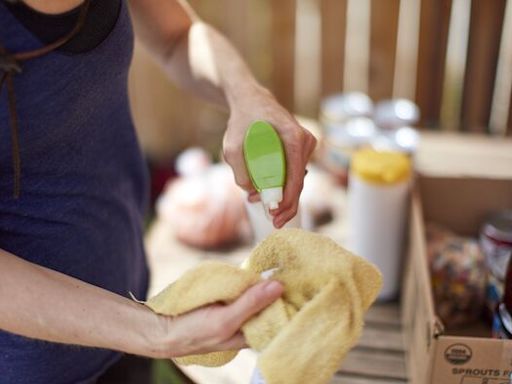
[383,37]
[370,363]
[385,340]
[483,49]
[333,13]
[384,314]
[509,124]
[434,22]
[283,51]
[349,379]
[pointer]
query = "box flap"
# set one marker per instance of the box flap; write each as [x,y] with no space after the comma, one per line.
[464,178]
[420,323]
[468,155]
[463,204]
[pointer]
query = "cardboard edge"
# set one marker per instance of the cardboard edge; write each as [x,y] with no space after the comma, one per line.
[418,315]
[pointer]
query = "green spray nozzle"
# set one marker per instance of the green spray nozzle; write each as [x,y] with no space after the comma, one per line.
[265,161]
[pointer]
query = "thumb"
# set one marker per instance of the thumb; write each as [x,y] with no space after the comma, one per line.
[252,301]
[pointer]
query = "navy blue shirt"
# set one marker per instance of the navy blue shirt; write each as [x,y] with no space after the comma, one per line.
[83,187]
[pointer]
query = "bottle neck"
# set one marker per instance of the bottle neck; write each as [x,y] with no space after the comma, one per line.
[271,197]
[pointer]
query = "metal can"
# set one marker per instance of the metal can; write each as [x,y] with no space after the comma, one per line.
[502,323]
[496,244]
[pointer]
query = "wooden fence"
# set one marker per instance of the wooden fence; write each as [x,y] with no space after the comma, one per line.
[452,57]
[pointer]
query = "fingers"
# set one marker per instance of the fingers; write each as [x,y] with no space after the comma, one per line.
[310,145]
[253,196]
[237,163]
[224,321]
[236,342]
[298,151]
[233,154]
[252,301]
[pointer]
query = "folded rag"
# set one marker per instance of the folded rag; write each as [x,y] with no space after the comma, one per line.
[304,335]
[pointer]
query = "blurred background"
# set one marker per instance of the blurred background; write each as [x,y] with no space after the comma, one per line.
[452,57]
[450,60]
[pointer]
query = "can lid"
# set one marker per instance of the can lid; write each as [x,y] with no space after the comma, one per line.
[355,132]
[342,106]
[381,167]
[499,226]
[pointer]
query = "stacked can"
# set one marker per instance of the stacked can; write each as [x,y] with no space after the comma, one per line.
[496,244]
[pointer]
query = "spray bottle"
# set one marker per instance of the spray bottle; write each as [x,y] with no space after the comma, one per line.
[266,164]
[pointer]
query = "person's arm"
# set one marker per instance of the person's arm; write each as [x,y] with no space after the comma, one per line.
[200,59]
[40,303]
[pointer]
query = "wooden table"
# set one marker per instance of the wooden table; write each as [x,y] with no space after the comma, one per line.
[378,358]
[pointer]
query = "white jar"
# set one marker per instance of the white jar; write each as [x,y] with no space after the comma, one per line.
[377,207]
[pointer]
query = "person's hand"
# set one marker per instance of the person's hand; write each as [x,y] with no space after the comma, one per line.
[259,104]
[215,327]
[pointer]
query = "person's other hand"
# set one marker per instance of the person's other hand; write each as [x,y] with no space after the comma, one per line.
[215,327]
[298,143]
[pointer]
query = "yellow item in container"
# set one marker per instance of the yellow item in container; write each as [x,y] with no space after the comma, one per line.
[304,335]
[381,167]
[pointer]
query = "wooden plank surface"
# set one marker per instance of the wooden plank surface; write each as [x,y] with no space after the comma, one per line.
[406,60]
[434,22]
[386,340]
[509,125]
[379,356]
[374,364]
[364,380]
[333,14]
[483,48]
[283,51]
[307,71]
[384,315]
[383,37]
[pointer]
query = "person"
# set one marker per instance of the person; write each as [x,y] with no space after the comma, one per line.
[73,186]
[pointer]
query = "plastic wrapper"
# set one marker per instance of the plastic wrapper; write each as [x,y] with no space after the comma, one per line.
[458,273]
[205,207]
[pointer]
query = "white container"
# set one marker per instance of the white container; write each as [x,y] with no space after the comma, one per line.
[379,186]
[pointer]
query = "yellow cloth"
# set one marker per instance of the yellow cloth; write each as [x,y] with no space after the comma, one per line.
[304,335]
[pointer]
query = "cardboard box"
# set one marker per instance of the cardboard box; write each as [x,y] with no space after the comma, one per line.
[460,180]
